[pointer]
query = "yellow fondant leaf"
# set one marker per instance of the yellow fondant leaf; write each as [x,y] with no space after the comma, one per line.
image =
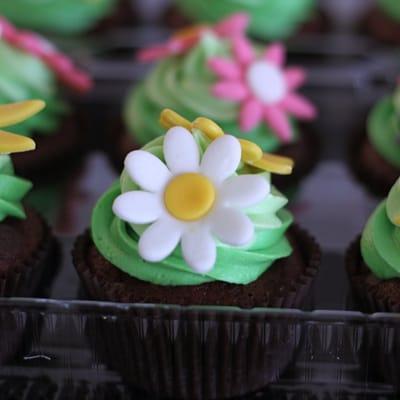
[12,143]
[169,119]
[273,163]
[13,113]
[250,151]
[209,127]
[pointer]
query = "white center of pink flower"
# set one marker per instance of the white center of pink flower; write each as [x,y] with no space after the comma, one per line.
[267,82]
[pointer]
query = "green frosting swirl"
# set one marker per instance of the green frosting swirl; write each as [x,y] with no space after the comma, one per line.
[57,16]
[184,84]
[117,241]
[23,77]
[270,19]
[384,129]
[380,241]
[391,7]
[12,190]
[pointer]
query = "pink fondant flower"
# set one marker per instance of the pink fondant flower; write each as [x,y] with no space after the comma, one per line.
[184,40]
[262,86]
[34,44]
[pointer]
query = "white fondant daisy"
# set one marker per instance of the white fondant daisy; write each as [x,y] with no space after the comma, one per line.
[189,200]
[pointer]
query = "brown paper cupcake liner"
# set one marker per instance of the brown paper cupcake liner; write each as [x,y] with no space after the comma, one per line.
[24,279]
[197,352]
[305,153]
[369,167]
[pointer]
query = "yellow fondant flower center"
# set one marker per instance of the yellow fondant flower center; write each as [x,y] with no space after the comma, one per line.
[189,197]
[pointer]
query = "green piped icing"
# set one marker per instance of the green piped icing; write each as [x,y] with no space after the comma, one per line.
[391,7]
[384,128]
[24,77]
[117,241]
[269,19]
[12,190]
[184,84]
[58,16]
[380,241]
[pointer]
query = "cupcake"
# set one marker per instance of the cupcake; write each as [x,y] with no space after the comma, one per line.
[64,17]
[195,221]
[30,67]
[25,239]
[269,20]
[375,151]
[383,21]
[216,72]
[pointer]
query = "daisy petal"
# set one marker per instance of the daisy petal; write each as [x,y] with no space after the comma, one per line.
[295,77]
[199,250]
[230,90]
[221,158]
[180,151]
[242,50]
[146,170]
[278,122]
[236,24]
[137,207]
[159,240]
[250,115]
[232,226]
[225,69]
[276,54]
[244,191]
[299,106]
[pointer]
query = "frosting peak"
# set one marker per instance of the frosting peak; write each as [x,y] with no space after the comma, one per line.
[380,241]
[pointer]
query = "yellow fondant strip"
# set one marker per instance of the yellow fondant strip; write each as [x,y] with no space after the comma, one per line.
[169,119]
[273,163]
[11,114]
[11,143]
[209,127]
[250,151]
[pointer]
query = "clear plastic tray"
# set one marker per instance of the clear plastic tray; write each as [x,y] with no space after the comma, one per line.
[338,352]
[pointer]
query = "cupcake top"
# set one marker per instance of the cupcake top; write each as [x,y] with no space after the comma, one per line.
[384,128]
[391,7]
[56,16]
[380,242]
[12,188]
[216,72]
[194,206]
[30,67]
[270,19]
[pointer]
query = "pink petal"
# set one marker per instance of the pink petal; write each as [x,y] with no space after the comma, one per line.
[224,68]
[278,122]
[276,54]
[250,115]
[295,77]
[243,50]
[228,90]
[235,24]
[299,106]
[153,53]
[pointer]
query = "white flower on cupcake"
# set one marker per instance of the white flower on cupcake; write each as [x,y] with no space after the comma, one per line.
[190,200]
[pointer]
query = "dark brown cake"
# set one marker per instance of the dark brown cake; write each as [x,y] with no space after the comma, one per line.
[25,247]
[382,26]
[305,153]
[285,284]
[55,155]
[369,166]
[371,294]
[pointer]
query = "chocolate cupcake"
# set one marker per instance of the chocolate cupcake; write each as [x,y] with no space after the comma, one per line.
[30,67]
[383,21]
[374,152]
[205,228]
[216,72]
[25,239]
